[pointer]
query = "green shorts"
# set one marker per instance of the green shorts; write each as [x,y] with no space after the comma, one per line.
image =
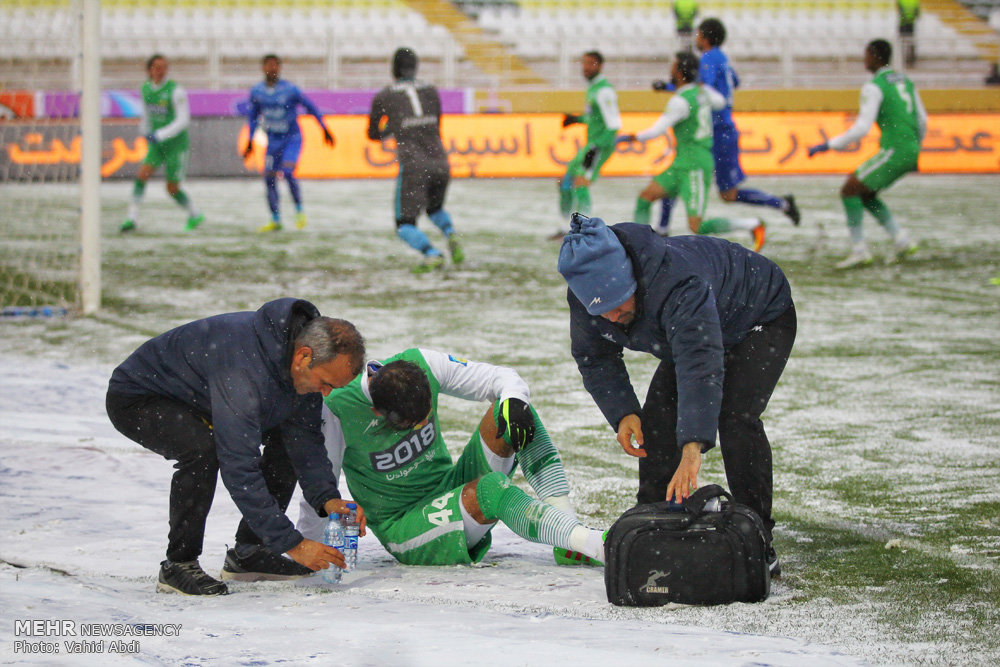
[173,154]
[886,167]
[691,183]
[432,531]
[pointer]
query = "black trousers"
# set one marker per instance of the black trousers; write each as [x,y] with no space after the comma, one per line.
[752,369]
[179,433]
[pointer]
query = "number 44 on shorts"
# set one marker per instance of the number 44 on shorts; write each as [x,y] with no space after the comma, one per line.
[443,515]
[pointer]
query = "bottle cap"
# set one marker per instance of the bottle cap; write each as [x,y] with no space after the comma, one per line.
[352,506]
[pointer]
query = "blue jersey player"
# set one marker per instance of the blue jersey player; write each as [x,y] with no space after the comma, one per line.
[716,71]
[275,104]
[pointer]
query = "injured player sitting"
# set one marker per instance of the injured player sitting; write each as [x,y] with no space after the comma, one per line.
[425,508]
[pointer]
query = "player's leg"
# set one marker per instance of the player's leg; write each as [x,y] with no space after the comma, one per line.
[591,173]
[694,191]
[289,160]
[663,227]
[852,194]
[493,498]
[177,433]
[729,175]
[272,162]
[653,191]
[176,167]
[249,560]
[887,167]
[567,193]
[153,159]
[437,189]
[410,201]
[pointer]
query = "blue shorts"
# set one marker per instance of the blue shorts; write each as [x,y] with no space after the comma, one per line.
[726,151]
[282,149]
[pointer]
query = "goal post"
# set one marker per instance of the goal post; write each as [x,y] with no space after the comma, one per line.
[50,157]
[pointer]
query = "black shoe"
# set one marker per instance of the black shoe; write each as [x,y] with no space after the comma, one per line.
[772,563]
[791,210]
[262,565]
[187,579]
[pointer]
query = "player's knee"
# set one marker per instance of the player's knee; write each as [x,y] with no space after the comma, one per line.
[728,195]
[288,172]
[490,490]
[173,188]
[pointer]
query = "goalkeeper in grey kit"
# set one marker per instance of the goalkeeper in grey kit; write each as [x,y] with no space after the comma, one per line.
[425,508]
[409,111]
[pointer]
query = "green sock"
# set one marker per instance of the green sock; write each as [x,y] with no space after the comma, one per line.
[855,211]
[882,213]
[138,188]
[534,520]
[566,201]
[582,196]
[714,226]
[642,209]
[540,463]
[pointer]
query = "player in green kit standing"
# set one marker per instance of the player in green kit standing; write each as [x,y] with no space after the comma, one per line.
[425,508]
[164,123]
[603,122]
[891,101]
[689,113]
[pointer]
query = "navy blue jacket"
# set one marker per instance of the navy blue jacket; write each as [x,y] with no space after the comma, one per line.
[236,370]
[696,296]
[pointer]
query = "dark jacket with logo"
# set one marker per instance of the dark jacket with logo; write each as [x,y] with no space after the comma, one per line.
[696,296]
[235,369]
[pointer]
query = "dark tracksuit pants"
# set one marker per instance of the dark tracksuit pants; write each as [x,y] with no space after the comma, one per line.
[179,433]
[752,369]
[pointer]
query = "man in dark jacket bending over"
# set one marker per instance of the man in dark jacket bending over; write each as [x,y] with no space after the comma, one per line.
[721,320]
[208,395]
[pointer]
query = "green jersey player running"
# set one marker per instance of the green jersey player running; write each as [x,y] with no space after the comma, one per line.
[426,509]
[603,122]
[891,101]
[164,124]
[689,113]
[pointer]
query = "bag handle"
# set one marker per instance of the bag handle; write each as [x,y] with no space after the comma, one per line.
[695,503]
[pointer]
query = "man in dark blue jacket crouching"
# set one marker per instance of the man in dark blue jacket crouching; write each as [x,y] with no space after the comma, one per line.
[210,395]
[721,320]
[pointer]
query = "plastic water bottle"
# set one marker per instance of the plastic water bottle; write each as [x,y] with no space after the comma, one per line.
[351,531]
[333,536]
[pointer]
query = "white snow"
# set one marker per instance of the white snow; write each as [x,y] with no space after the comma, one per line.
[84,524]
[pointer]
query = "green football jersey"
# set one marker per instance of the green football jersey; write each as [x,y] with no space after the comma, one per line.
[897,115]
[598,132]
[387,470]
[159,103]
[694,134]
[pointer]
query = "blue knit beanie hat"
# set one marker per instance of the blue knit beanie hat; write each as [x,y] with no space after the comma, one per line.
[596,266]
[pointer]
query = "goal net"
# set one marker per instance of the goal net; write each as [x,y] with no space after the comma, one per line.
[44,247]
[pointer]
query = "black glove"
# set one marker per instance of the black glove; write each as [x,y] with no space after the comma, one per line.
[588,158]
[328,138]
[661,85]
[516,419]
[570,119]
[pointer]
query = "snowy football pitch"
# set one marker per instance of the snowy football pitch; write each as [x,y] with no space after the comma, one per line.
[885,429]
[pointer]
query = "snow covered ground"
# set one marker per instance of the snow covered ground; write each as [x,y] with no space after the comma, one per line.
[885,430]
[83,526]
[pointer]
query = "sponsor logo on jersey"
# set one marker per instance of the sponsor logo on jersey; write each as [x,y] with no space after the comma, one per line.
[405,451]
[458,360]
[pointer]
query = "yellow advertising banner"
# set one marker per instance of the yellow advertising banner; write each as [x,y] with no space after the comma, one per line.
[526,145]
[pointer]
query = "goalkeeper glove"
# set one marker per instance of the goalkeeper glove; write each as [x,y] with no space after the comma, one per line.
[661,86]
[249,149]
[570,119]
[588,157]
[151,138]
[819,148]
[625,138]
[516,419]
[328,138]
